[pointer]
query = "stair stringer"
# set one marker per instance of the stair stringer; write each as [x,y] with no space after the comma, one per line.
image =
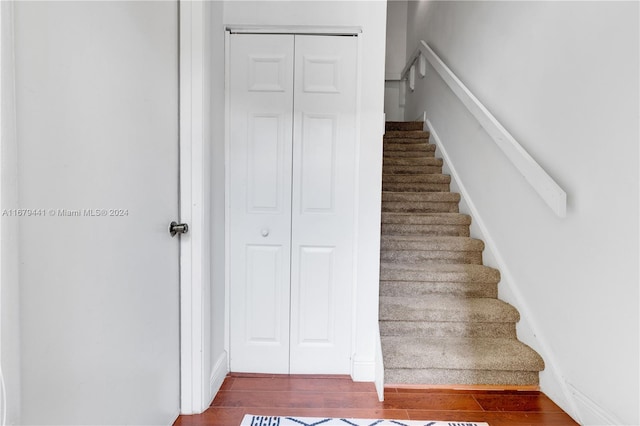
[552,381]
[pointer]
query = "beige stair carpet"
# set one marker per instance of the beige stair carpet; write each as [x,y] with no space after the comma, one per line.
[440,320]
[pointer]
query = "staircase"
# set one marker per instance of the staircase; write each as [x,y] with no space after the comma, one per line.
[440,320]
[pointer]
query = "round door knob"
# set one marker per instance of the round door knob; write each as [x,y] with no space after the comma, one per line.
[264,232]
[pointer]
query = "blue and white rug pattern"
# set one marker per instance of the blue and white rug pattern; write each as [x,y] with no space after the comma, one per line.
[253,420]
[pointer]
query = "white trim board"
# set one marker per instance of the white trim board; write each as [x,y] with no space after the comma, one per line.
[550,192]
[590,412]
[227,190]
[192,171]
[3,391]
[218,375]
[294,29]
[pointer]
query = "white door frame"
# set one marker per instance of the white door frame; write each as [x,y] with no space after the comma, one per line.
[194,167]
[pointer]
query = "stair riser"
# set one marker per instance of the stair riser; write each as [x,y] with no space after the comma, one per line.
[447,310]
[428,219]
[427,230]
[418,289]
[411,170]
[422,178]
[410,198]
[404,125]
[427,244]
[409,154]
[409,147]
[446,329]
[387,139]
[429,207]
[431,257]
[390,274]
[415,187]
[412,134]
[460,377]
[424,161]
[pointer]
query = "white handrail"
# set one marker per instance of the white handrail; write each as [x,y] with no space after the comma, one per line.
[538,178]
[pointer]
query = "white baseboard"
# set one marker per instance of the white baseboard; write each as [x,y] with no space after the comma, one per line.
[363,370]
[379,367]
[220,371]
[592,414]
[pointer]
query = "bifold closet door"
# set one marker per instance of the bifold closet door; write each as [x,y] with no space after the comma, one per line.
[323,197]
[261,109]
[292,191]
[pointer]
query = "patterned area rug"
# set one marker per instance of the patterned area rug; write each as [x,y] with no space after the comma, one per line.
[252,420]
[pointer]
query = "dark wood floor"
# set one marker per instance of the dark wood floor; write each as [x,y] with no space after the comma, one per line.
[338,396]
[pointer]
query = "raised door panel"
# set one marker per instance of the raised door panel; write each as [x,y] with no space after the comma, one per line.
[263,322]
[323,202]
[316,316]
[265,166]
[261,104]
[317,186]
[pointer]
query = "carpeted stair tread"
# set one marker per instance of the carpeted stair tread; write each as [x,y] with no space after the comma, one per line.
[415,187]
[442,308]
[405,141]
[430,249]
[427,242]
[412,161]
[416,178]
[393,169]
[414,288]
[421,207]
[459,353]
[409,154]
[433,230]
[426,218]
[404,125]
[435,273]
[452,224]
[406,134]
[410,147]
[420,202]
[421,197]
[448,329]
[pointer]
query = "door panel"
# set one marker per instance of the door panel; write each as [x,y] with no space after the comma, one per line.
[323,197]
[264,269]
[265,164]
[97,118]
[261,105]
[318,163]
[316,319]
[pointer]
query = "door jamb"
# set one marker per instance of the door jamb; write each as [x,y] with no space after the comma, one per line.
[194,167]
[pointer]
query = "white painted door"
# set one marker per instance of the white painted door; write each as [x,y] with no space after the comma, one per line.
[98,135]
[261,104]
[323,197]
[292,171]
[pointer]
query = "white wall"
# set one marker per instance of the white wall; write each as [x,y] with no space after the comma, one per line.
[371,16]
[562,77]
[9,288]
[396,57]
